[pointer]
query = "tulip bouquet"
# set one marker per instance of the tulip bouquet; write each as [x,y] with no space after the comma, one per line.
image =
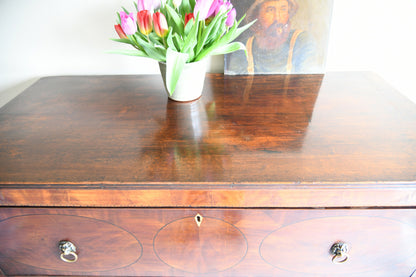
[177,32]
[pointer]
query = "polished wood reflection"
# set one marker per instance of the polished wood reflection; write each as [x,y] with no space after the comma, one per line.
[303,133]
[123,129]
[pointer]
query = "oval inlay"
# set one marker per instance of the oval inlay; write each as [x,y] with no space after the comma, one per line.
[33,240]
[213,246]
[375,244]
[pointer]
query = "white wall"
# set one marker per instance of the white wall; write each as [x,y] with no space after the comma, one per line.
[376,35]
[55,37]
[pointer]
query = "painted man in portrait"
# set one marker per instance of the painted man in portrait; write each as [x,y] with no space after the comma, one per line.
[273,46]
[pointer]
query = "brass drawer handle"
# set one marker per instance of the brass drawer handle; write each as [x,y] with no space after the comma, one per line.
[68,251]
[339,250]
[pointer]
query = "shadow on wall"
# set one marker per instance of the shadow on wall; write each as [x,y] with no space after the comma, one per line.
[8,94]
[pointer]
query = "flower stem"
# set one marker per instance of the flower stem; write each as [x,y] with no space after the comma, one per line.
[201,27]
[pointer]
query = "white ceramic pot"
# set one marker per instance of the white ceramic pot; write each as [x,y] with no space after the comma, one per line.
[191,81]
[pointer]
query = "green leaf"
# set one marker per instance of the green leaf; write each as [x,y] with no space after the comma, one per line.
[169,40]
[175,61]
[192,4]
[123,40]
[178,22]
[130,41]
[168,3]
[185,7]
[232,34]
[228,48]
[188,27]
[205,33]
[137,53]
[240,30]
[154,38]
[152,51]
[191,39]
[118,18]
[125,10]
[218,31]
[178,42]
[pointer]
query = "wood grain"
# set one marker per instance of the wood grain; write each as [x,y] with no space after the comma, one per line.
[343,139]
[229,242]
[33,240]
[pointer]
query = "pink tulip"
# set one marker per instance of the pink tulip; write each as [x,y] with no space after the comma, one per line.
[120,31]
[188,17]
[214,6]
[160,24]
[144,20]
[223,6]
[128,23]
[231,17]
[149,5]
[203,7]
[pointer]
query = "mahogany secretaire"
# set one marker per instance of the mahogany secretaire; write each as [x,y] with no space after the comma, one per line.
[281,175]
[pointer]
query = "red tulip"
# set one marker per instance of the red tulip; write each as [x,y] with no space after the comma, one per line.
[120,31]
[188,17]
[160,24]
[144,20]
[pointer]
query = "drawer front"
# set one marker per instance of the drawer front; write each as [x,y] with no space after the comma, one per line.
[38,240]
[208,242]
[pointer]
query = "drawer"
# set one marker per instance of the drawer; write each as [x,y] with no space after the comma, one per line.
[208,242]
[357,244]
[56,241]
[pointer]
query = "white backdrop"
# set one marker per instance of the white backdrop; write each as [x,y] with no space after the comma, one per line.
[54,37]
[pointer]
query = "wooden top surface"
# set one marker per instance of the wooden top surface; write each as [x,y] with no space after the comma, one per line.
[337,128]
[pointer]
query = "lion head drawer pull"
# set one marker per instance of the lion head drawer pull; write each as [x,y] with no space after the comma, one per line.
[68,251]
[339,250]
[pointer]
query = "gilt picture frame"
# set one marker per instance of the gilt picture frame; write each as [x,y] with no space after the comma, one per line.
[289,37]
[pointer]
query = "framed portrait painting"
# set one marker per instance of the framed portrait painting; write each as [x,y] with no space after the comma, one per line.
[289,37]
